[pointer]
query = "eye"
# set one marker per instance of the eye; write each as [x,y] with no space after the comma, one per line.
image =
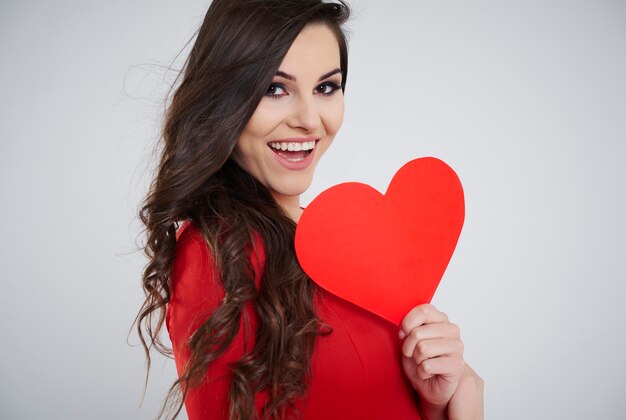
[275,91]
[327,88]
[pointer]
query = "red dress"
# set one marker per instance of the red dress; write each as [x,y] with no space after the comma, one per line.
[355,370]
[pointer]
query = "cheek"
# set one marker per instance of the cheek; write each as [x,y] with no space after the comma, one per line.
[264,120]
[333,117]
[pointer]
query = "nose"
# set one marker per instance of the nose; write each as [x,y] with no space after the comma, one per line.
[305,114]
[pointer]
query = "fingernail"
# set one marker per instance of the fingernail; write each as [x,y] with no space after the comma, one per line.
[401,334]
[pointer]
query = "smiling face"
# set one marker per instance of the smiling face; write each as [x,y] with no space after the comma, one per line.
[297,119]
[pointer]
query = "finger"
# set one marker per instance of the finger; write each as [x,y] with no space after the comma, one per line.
[445,366]
[429,332]
[422,314]
[429,349]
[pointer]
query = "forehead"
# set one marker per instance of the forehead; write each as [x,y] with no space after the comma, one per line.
[314,48]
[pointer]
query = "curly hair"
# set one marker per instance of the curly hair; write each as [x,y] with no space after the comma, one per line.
[237,52]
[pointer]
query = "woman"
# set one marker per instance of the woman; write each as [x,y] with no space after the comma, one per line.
[260,101]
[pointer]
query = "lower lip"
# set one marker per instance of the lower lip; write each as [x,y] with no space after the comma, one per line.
[294,165]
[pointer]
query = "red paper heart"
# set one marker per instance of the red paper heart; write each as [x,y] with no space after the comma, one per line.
[385,253]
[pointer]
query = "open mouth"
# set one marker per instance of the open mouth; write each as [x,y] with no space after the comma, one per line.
[293,151]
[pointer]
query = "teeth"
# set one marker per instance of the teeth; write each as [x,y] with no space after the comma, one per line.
[293,146]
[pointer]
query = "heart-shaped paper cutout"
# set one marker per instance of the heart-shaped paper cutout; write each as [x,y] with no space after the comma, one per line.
[385,253]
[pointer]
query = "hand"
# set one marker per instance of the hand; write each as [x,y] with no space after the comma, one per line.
[432,358]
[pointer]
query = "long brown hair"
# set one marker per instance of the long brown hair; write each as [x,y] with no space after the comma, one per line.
[236,54]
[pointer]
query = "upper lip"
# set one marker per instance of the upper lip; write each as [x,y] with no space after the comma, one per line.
[295,140]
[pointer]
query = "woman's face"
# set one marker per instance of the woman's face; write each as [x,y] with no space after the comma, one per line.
[298,117]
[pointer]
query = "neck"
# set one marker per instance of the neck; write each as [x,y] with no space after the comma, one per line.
[290,204]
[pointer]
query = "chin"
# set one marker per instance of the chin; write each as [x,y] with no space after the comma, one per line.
[293,187]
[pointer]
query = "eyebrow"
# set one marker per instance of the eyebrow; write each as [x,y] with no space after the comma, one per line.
[322,77]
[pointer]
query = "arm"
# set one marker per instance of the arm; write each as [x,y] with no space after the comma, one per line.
[432,359]
[195,294]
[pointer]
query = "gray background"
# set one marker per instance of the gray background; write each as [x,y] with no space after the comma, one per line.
[525,99]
